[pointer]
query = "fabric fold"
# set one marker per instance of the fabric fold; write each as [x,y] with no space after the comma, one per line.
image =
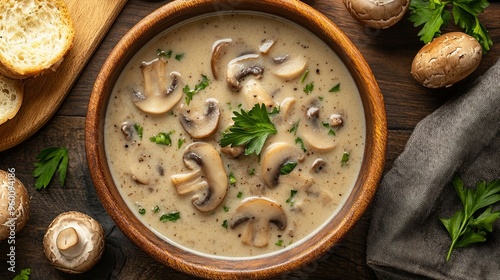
[406,240]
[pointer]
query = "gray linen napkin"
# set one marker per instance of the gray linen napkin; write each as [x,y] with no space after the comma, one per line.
[406,240]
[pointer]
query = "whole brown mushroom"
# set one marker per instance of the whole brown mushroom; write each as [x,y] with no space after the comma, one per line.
[14,204]
[446,60]
[74,242]
[378,14]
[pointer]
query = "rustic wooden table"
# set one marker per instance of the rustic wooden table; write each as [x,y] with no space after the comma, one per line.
[388,52]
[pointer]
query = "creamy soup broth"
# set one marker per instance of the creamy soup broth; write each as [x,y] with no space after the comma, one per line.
[308,196]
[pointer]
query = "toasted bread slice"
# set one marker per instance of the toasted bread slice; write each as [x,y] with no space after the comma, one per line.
[11,97]
[34,36]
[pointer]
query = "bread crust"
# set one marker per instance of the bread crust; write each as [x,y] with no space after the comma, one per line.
[11,59]
[9,106]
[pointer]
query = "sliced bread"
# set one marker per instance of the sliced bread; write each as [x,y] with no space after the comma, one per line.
[11,97]
[34,36]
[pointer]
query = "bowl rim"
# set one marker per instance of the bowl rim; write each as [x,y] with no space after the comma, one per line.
[269,265]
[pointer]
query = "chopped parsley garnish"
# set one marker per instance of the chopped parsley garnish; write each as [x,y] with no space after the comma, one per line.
[225,208]
[250,129]
[345,159]
[279,243]
[292,195]
[330,130]
[162,138]
[191,92]
[138,128]
[335,88]
[288,167]
[294,128]
[304,76]
[172,217]
[275,111]
[50,160]
[308,88]
[165,54]
[251,172]
[179,56]
[224,224]
[156,209]
[436,13]
[299,141]
[180,142]
[239,195]
[232,178]
[142,211]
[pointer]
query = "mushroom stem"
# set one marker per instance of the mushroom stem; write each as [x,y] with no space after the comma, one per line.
[68,242]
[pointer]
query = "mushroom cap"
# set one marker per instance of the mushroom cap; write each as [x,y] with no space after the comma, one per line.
[274,157]
[158,96]
[291,68]
[313,132]
[12,216]
[201,125]
[79,256]
[242,66]
[208,180]
[446,60]
[378,14]
[258,212]
[218,49]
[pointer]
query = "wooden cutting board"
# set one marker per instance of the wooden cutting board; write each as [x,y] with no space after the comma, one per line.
[43,95]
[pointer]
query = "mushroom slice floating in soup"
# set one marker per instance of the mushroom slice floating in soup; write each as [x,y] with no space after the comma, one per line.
[218,49]
[313,132]
[158,96]
[201,125]
[278,157]
[242,66]
[255,93]
[258,213]
[208,180]
[290,68]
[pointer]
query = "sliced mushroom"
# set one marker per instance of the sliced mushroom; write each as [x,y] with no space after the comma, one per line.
[255,93]
[74,242]
[291,68]
[259,213]
[318,165]
[286,107]
[158,97]
[233,152]
[335,120]
[313,133]
[377,13]
[218,49]
[208,180]
[274,158]
[201,125]
[242,66]
[266,46]
[14,204]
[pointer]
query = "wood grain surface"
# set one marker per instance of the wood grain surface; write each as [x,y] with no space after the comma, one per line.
[44,94]
[388,52]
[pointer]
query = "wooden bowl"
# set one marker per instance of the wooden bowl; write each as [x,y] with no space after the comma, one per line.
[268,265]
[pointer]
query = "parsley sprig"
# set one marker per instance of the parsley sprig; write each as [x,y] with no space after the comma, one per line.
[50,160]
[433,14]
[467,226]
[250,129]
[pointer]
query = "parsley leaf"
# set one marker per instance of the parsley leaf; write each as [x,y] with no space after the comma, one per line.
[345,159]
[23,275]
[433,14]
[172,217]
[309,88]
[162,138]
[250,129]
[466,226]
[191,92]
[50,160]
[288,167]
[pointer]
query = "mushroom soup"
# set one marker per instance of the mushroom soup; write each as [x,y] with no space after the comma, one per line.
[235,135]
